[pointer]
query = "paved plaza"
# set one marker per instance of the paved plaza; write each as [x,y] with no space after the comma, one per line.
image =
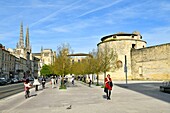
[137,97]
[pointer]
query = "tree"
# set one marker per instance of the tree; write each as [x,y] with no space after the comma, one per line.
[46,70]
[103,60]
[108,58]
[79,68]
[62,62]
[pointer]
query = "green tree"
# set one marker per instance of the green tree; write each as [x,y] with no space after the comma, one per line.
[62,62]
[46,70]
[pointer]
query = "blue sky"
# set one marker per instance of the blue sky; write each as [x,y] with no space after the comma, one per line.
[82,23]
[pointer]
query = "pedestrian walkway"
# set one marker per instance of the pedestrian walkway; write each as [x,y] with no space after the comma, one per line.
[83,99]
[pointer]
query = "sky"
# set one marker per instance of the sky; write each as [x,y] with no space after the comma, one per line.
[82,23]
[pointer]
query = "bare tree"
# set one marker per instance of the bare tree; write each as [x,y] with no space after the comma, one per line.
[96,64]
[107,57]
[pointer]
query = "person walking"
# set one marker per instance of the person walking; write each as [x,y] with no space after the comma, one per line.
[108,86]
[43,82]
[89,81]
[53,81]
[36,83]
[72,80]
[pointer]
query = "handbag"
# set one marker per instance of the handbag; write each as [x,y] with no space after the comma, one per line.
[105,89]
[111,84]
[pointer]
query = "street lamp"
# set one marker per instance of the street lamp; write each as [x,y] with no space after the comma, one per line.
[125,69]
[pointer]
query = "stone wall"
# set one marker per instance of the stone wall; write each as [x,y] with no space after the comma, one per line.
[122,45]
[151,63]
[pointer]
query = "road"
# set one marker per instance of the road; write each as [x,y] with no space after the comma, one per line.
[11,89]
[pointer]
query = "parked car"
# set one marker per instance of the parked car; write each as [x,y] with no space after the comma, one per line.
[3,81]
[9,80]
[21,79]
[14,80]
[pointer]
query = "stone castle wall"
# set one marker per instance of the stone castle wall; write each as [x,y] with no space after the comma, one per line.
[151,62]
[122,45]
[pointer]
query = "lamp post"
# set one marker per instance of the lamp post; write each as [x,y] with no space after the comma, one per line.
[125,69]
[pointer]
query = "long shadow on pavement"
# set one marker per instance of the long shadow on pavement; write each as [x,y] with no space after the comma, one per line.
[149,89]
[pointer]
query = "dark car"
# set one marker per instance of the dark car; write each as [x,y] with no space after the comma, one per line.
[9,81]
[3,81]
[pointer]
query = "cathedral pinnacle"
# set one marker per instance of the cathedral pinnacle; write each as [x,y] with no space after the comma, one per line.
[27,42]
[21,39]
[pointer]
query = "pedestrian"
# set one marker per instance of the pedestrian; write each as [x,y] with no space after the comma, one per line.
[36,83]
[53,81]
[27,86]
[108,86]
[72,80]
[89,81]
[43,82]
[57,79]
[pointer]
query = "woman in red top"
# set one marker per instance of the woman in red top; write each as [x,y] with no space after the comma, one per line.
[108,86]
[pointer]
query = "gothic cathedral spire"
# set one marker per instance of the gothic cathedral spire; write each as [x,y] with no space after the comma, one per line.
[21,39]
[27,41]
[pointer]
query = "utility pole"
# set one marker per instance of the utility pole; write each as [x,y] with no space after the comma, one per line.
[125,69]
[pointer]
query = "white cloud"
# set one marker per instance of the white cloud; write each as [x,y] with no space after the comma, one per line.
[157,35]
[99,8]
[60,29]
[53,14]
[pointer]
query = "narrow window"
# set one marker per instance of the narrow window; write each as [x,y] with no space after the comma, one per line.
[133,45]
[140,71]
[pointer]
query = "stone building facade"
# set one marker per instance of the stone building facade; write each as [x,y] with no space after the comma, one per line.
[1,46]
[18,62]
[5,63]
[122,43]
[151,62]
[47,56]
[141,62]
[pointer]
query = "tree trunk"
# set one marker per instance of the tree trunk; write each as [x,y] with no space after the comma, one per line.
[62,82]
[97,79]
[104,76]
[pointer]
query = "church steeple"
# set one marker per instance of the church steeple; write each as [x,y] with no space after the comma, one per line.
[27,41]
[21,39]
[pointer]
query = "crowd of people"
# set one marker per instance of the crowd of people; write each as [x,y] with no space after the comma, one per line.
[36,83]
[54,81]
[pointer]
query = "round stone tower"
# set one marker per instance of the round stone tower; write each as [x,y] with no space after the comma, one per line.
[122,43]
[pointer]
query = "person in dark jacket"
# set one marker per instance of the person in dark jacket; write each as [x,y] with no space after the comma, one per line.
[43,82]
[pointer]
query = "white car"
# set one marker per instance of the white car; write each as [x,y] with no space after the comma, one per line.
[14,80]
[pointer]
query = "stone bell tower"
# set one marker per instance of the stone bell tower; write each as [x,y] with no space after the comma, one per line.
[27,42]
[21,39]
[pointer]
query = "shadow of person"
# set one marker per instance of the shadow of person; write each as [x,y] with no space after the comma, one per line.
[33,95]
[104,96]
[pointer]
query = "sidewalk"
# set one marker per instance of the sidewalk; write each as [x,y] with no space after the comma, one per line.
[84,99]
